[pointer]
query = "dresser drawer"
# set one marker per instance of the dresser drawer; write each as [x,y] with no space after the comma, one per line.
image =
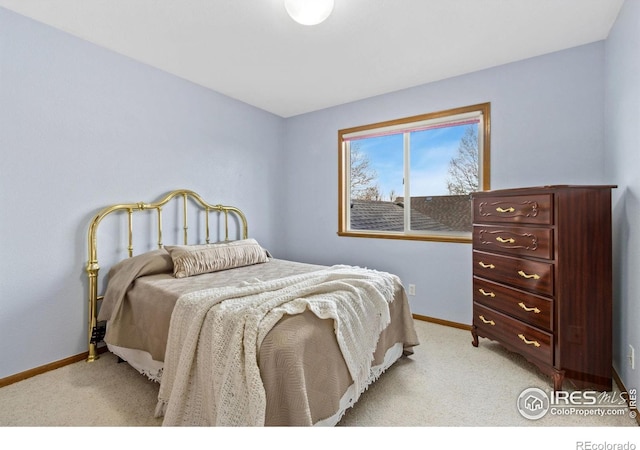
[527,241]
[530,308]
[535,209]
[521,337]
[532,276]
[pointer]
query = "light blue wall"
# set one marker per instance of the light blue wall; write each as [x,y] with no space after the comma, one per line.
[81,128]
[547,128]
[622,152]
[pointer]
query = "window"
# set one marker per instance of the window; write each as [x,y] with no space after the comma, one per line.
[411,178]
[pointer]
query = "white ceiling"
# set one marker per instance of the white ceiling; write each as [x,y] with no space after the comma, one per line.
[252,51]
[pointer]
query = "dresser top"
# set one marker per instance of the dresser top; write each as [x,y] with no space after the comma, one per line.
[543,189]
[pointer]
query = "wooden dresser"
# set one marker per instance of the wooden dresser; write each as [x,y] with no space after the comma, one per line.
[542,279]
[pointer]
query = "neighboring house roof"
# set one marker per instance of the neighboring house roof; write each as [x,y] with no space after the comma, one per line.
[439,213]
[454,211]
[388,216]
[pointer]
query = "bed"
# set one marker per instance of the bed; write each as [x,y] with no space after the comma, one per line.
[233,335]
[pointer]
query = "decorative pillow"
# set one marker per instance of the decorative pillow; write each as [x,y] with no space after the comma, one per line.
[191,260]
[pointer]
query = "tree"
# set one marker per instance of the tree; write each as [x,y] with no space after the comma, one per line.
[463,168]
[363,176]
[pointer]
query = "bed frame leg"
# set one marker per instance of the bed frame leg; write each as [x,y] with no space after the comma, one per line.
[97,334]
[93,354]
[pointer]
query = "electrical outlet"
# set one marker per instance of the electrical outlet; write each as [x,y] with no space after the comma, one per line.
[632,357]
[412,289]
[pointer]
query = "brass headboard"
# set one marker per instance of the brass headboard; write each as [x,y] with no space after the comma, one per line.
[96,333]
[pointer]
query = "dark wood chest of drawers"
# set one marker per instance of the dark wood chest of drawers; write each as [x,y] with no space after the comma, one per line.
[542,279]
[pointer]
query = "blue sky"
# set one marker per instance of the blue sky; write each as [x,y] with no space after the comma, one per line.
[431,151]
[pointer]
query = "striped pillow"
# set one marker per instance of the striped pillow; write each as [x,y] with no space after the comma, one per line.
[189,260]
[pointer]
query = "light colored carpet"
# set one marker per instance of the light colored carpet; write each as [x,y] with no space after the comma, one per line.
[447,382]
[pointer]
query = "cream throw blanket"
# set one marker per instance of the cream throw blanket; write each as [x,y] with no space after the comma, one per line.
[211,374]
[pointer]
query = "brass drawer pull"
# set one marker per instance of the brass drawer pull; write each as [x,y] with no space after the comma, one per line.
[508,210]
[524,339]
[490,322]
[535,276]
[486,294]
[486,266]
[503,240]
[534,309]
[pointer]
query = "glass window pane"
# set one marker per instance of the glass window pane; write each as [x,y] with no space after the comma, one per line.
[376,181]
[443,171]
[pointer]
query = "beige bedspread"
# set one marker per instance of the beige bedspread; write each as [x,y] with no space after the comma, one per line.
[302,368]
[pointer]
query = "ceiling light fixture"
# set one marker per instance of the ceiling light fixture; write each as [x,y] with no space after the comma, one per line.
[309,12]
